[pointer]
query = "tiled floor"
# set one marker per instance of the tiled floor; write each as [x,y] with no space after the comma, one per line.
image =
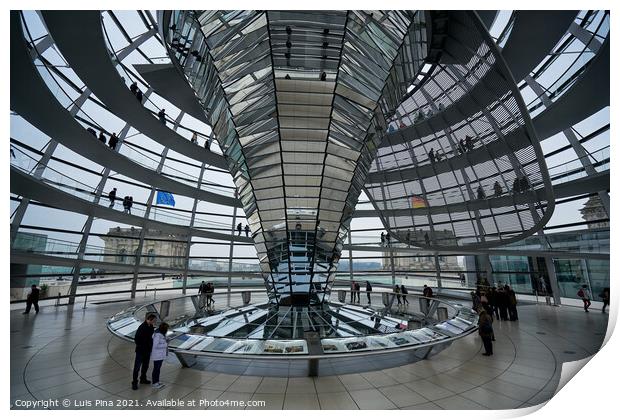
[68,353]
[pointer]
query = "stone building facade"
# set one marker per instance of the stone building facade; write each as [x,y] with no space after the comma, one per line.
[160,249]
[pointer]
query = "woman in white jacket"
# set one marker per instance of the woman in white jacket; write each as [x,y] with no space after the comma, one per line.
[159,352]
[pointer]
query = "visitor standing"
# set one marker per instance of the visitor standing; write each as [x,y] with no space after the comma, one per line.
[502,303]
[475,301]
[102,137]
[512,304]
[129,204]
[492,297]
[113,141]
[368,290]
[126,204]
[195,138]
[159,352]
[247,231]
[485,330]
[239,228]
[144,344]
[112,197]
[352,299]
[357,291]
[162,116]
[382,239]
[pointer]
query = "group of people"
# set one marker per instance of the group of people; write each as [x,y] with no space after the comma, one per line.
[584,294]
[205,293]
[240,228]
[401,293]
[520,185]
[127,201]
[151,346]
[385,239]
[112,142]
[499,301]
[465,145]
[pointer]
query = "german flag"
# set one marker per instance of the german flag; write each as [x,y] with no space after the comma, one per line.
[418,202]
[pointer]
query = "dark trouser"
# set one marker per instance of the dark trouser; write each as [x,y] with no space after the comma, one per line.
[512,312]
[586,304]
[358,296]
[368,296]
[142,361]
[398,297]
[605,304]
[352,297]
[503,313]
[495,310]
[405,300]
[156,369]
[29,304]
[488,344]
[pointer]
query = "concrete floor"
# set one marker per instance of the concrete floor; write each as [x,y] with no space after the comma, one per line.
[68,353]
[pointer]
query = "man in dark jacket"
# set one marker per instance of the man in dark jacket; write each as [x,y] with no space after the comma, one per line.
[32,299]
[144,344]
[485,329]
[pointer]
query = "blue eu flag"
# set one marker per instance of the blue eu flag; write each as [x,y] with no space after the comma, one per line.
[166,198]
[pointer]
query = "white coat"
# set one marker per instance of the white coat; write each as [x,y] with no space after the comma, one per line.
[160,347]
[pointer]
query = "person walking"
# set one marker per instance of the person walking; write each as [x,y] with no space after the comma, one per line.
[239,228]
[210,290]
[584,294]
[113,141]
[605,296]
[352,299]
[162,116]
[485,330]
[33,299]
[368,290]
[512,304]
[202,295]
[397,293]
[144,344]
[159,352]
[405,292]
[247,231]
[112,197]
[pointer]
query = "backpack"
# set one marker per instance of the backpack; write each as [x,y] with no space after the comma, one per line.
[580,293]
